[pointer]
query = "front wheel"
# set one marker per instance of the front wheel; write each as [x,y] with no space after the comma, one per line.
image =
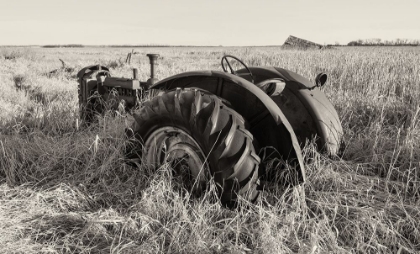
[202,138]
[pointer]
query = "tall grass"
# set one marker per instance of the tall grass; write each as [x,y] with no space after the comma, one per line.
[68,189]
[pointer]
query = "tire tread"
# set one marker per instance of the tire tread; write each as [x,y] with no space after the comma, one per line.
[217,127]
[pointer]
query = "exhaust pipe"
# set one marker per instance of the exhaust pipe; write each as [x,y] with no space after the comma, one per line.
[153,61]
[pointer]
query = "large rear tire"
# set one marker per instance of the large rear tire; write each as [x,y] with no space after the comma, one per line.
[193,128]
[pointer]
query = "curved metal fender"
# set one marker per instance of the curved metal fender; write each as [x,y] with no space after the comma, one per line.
[267,122]
[311,115]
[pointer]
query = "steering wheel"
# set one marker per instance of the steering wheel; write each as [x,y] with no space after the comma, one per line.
[225,58]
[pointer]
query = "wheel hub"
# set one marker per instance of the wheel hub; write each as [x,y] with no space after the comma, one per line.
[178,148]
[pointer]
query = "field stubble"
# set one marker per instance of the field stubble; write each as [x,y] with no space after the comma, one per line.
[65,189]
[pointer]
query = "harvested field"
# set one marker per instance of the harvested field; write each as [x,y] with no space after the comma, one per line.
[68,189]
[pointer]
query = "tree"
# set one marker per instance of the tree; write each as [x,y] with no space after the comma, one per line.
[353,43]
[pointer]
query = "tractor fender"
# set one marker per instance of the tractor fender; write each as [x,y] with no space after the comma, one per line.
[266,120]
[306,107]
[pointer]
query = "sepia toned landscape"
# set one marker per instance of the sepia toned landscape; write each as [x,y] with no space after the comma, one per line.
[68,188]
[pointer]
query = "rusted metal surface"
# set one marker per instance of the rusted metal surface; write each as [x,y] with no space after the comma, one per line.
[296,113]
[308,110]
[282,109]
[126,83]
[268,124]
[153,62]
[87,78]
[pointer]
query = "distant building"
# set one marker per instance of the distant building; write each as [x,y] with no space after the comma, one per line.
[295,42]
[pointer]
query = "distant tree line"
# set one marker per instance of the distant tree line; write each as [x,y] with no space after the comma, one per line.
[64,46]
[136,46]
[122,46]
[150,46]
[379,42]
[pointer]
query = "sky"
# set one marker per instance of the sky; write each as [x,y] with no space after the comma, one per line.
[199,22]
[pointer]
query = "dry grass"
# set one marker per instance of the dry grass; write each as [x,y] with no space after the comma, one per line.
[65,189]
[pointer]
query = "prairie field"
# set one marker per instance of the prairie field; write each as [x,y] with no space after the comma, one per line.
[68,189]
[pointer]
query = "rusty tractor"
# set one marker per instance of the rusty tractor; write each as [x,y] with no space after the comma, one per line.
[220,125]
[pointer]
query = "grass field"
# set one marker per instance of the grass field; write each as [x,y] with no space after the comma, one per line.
[64,189]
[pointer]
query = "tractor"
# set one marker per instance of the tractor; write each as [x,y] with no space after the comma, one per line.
[219,125]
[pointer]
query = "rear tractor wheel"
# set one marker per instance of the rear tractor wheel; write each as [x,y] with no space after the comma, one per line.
[201,137]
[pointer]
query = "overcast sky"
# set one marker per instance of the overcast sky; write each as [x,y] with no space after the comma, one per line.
[198,22]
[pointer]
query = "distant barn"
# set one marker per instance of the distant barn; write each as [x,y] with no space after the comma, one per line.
[295,42]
